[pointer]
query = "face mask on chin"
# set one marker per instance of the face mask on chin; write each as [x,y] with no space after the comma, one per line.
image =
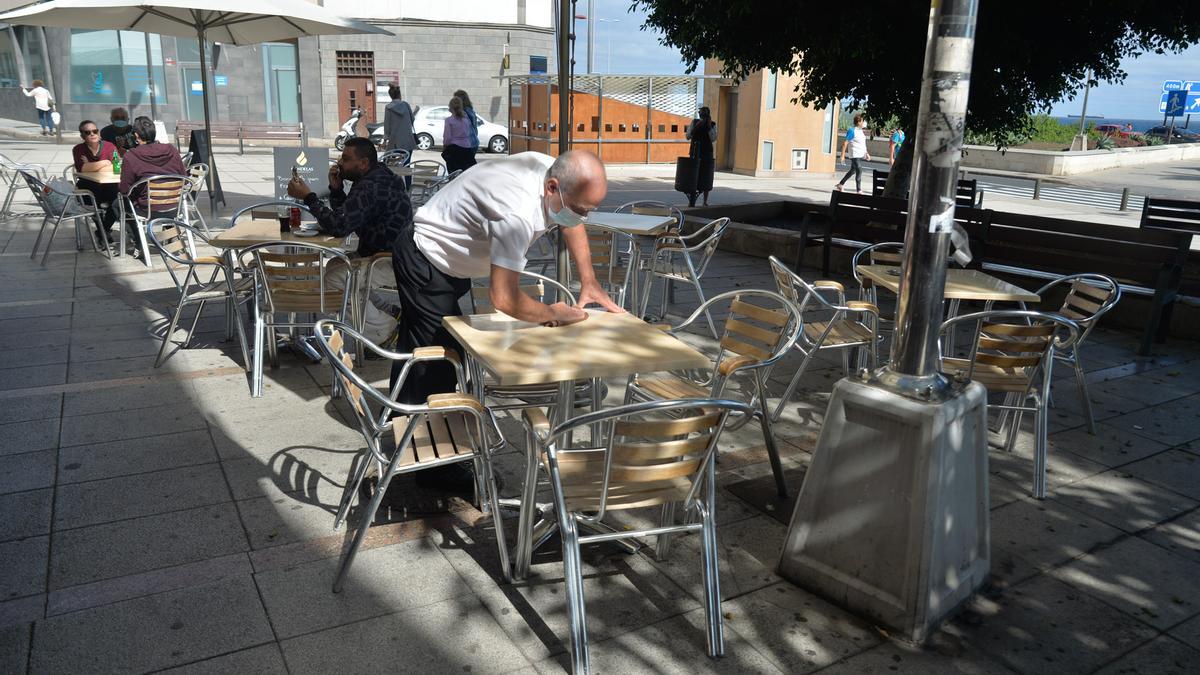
[565,217]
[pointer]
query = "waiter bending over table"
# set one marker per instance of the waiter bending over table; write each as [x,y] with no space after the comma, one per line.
[482,224]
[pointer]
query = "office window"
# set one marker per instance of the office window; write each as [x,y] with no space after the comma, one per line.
[827,130]
[772,85]
[674,128]
[595,124]
[355,64]
[621,128]
[799,159]
[662,128]
[608,127]
[636,128]
[108,66]
[768,155]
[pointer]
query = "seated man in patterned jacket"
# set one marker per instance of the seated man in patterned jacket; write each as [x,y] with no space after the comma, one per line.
[376,208]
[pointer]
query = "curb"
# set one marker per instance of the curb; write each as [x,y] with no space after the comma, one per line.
[17,134]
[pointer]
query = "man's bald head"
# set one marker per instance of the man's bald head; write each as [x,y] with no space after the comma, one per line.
[581,176]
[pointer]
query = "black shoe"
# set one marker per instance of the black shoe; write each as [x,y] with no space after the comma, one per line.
[452,478]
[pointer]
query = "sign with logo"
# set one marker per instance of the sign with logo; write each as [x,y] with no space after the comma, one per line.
[383,80]
[312,164]
[197,88]
[221,80]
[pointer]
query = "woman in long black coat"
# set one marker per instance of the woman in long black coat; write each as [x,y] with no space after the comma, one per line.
[702,132]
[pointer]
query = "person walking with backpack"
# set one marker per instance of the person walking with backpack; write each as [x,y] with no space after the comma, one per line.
[43,102]
[456,138]
[469,111]
[856,143]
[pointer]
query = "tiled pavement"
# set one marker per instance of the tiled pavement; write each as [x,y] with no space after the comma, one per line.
[162,519]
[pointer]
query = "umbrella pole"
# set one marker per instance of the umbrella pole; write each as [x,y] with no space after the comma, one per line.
[150,80]
[212,153]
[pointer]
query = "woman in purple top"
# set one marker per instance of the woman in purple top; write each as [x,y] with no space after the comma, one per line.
[456,138]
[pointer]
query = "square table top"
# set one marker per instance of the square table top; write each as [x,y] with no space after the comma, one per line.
[960,284]
[631,223]
[259,231]
[101,177]
[603,345]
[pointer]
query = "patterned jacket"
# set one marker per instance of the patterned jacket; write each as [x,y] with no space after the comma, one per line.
[377,209]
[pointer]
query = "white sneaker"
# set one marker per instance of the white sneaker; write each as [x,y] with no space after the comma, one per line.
[838,187]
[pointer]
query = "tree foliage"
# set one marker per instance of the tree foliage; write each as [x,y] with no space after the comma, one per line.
[1028,55]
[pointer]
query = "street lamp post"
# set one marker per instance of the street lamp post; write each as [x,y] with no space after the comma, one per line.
[892,519]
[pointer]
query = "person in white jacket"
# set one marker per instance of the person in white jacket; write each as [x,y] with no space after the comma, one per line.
[43,100]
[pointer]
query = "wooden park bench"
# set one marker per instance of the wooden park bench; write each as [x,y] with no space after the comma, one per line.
[967,194]
[239,131]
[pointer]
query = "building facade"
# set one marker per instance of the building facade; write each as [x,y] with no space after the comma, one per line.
[436,49]
[760,132]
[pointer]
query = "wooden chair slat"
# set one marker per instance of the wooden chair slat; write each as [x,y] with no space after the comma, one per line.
[998,344]
[1019,330]
[665,428]
[641,453]
[743,329]
[744,348]
[443,443]
[1006,361]
[767,316]
[1096,293]
[1081,303]
[353,392]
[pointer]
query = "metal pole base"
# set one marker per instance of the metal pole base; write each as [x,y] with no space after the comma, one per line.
[892,520]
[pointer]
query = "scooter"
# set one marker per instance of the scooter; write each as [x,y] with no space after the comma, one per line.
[350,130]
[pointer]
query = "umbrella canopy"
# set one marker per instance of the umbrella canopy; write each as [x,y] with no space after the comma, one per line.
[239,22]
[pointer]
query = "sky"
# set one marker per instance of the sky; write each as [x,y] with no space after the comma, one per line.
[622,47]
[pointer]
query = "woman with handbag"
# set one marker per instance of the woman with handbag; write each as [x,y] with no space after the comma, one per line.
[43,101]
[702,132]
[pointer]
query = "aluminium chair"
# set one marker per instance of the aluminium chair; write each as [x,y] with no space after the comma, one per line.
[655,453]
[445,429]
[615,261]
[1016,359]
[761,329]
[165,196]
[683,258]
[1089,297]
[175,241]
[844,325]
[10,176]
[294,279]
[197,173]
[76,207]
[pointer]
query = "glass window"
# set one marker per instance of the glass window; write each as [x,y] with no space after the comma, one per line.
[30,39]
[772,85]
[768,155]
[108,66]
[799,159]
[827,130]
[9,75]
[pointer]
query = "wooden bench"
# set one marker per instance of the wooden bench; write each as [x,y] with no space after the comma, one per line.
[239,131]
[1146,261]
[967,194]
[854,221]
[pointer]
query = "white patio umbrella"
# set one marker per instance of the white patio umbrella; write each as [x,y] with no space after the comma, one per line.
[237,22]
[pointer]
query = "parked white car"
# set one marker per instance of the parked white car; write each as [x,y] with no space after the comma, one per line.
[429,122]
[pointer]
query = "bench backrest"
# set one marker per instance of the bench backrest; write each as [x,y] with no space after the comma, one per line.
[1171,214]
[870,220]
[966,194]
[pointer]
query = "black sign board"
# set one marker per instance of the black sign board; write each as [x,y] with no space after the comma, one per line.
[198,145]
[312,164]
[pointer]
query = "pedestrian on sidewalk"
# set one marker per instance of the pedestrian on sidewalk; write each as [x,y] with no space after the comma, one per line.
[702,132]
[398,127]
[894,145]
[469,111]
[43,102]
[856,144]
[456,138]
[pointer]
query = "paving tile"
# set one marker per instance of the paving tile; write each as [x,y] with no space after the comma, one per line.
[1047,626]
[102,427]
[293,517]
[33,356]
[31,407]
[133,456]
[748,553]
[83,596]
[1061,467]
[27,471]
[479,645]
[1031,536]
[1123,501]
[157,631]
[24,565]
[265,438]
[131,546]
[298,469]
[262,660]
[1172,423]
[136,350]
[144,494]
[42,323]
[797,631]
[129,397]
[1188,632]
[22,610]
[1174,469]
[32,376]
[14,648]
[1160,656]
[1180,536]
[890,658]
[1110,446]
[382,581]
[674,645]
[18,437]
[1145,581]
[36,310]
[26,514]
[1148,390]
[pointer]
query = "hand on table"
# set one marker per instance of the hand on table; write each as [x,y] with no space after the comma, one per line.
[564,315]
[593,294]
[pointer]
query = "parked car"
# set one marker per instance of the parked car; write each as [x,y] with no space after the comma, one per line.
[1179,136]
[1112,130]
[429,122]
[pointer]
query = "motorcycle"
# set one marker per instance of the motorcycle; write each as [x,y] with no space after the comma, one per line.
[350,130]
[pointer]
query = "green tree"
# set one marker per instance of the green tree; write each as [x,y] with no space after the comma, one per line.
[1028,55]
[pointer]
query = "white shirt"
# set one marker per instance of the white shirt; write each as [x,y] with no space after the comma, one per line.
[857,136]
[489,215]
[41,98]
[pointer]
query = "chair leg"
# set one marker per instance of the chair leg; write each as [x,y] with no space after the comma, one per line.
[764,416]
[846,362]
[162,349]
[529,509]
[707,316]
[1040,432]
[187,342]
[143,239]
[1013,431]
[354,479]
[256,369]
[663,546]
[712,574]
[50,241]
[38,242]
[573,575]
[493,494]
[360,535]
[791,388]
[1084,400]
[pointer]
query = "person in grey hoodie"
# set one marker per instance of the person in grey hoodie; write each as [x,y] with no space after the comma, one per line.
[398,126]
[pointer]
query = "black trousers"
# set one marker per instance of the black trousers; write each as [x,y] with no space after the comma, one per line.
[854,170]
[426,296]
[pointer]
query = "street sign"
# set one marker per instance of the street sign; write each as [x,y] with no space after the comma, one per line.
[1173,85]
[1191,105]
[1192,86]
[1176,103]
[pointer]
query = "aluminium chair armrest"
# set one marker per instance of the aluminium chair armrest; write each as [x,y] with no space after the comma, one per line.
[731,365]
[537,422]
[861,306]
[435,354]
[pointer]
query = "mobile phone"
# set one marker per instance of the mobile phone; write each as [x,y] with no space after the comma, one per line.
[295,172]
